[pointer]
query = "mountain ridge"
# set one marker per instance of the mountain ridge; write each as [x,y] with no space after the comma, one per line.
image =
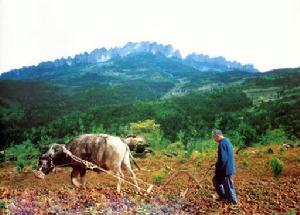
[103,56]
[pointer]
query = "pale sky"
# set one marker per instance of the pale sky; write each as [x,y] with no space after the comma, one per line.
[265,33]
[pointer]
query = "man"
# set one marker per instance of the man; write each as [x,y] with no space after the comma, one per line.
[225,168]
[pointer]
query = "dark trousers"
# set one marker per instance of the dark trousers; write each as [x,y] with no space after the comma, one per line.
[225,188]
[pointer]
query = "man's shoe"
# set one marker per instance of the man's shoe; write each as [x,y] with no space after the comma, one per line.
[234,206]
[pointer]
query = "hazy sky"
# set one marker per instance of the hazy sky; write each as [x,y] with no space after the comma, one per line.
[265,33]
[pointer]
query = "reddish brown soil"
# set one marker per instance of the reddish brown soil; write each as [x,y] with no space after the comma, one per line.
[258,191]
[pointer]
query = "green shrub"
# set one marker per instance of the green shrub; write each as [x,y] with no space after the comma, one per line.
[23,154]
[2,204]
[245,163]
[292,212]
[201,145]
[199,163]
[20,164]
[245,135]
[276,166]
[275,136]
[158,178]
[244,153]
[236,138]
[198,158]
[298,159]
[175,148]
[190,147]
[184,157]
[282,149]
[2,156]
[150,130]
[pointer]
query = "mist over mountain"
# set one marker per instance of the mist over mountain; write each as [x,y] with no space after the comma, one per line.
[142,56]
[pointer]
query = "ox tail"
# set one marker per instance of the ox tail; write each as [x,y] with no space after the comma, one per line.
[133,158]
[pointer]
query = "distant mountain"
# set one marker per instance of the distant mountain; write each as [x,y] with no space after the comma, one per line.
[205,63]
[141,57]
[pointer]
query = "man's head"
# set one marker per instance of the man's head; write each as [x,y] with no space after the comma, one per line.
[217,135]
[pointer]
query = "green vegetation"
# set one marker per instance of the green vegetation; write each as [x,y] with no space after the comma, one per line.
[198,157]
[158,178]
[276,136]
[293,212]
[176,148]
[23,154]
[3,204]
[276,166]
[43,112]
[245,163]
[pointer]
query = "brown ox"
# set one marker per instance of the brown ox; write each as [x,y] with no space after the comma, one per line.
[107,152]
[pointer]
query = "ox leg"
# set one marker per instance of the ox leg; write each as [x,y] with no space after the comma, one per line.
[121,178]
[115,168]
[74,175]
[127,167]
[82,177]
[120,175]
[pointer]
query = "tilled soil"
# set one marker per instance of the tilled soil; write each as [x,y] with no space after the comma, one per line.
[259,192]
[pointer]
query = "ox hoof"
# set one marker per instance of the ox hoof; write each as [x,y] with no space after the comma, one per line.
[76,183]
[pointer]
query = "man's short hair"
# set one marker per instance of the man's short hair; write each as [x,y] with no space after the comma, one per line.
[217,132]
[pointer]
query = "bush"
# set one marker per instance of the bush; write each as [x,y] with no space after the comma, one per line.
[245,163]
[197,157]
[2,204]
[276,136]
[244,153]
[236,138]
[203,145]
[184,157]
[150,130]
[276,166]
[282,149]
[2,156]
[23,154]
[292,212]
[199,162]
[298,159]
[158,178]
[176,148]
[245,135]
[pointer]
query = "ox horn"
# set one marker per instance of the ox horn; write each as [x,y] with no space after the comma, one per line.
[54,147]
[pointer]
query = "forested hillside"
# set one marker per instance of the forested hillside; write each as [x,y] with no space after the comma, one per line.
[241,104]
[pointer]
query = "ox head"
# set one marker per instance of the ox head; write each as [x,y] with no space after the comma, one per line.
[46,163]
[135,140]
[136,143]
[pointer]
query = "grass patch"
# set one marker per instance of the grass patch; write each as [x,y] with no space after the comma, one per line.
[23,154]
[245,163]
[2,204]
[158,178]
[276,166]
